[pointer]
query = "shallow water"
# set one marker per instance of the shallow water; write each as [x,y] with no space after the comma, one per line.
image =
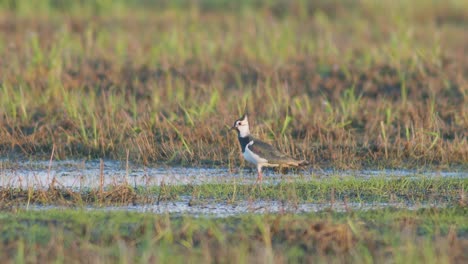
[82,174]
[213,208]
[224,209]
[85,174]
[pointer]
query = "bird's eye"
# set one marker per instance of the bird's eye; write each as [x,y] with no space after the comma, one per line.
[238,123]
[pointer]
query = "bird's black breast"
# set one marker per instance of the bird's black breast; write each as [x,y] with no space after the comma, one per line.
[243,142]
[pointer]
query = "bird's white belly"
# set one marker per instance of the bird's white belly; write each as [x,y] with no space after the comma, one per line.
[252,157]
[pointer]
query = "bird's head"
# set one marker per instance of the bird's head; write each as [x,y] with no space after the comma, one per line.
[242,126]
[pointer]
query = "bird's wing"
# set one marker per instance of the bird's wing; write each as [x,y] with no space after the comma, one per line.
[269,152]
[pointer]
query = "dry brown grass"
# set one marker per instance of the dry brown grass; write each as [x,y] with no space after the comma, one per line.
[121,194]
[339,85]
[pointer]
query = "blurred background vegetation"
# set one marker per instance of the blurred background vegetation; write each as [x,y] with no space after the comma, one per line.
[344,84]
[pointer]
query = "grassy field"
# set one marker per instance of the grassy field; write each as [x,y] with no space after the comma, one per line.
[443,191]
[343,84]
[334,82]
[77,236]
[82,230]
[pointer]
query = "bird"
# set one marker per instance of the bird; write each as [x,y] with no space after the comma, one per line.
[260,153]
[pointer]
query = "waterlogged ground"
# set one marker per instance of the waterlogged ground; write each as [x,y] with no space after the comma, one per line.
[85,175]
[214,208]
[82,174]
[155,213]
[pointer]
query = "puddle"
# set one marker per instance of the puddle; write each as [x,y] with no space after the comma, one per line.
[83,174]
[223,209]
[79,174]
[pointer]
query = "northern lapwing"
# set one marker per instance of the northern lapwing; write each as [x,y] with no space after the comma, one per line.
[260,153]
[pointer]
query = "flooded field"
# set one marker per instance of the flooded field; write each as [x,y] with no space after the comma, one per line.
[216,208]
[84,174]
[372,93]
[200,195]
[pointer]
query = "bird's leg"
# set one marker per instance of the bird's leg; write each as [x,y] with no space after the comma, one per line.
[260,175]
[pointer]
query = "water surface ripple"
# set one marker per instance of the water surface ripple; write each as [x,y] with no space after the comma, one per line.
[79,174]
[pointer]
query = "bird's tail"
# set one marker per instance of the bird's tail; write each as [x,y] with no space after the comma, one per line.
[298,163]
